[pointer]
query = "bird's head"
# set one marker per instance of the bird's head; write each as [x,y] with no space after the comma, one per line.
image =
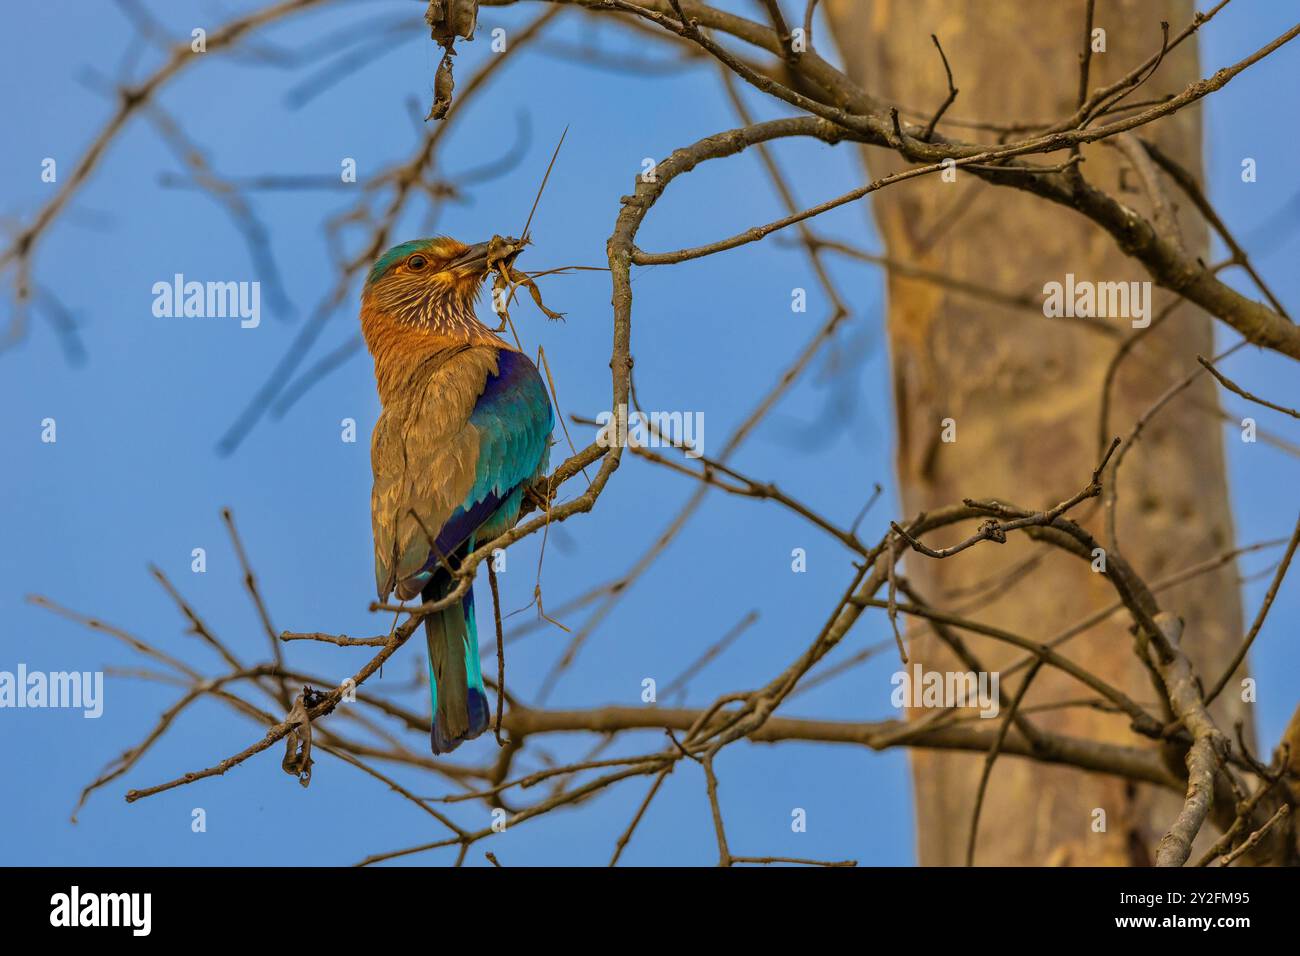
[432,283]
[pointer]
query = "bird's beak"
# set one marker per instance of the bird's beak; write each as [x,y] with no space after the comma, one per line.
[473,260]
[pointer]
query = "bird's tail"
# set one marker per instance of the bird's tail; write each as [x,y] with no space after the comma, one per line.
[460,705]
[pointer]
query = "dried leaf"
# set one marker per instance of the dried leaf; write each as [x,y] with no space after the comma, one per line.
[443,84]
[297,754]
[448,19]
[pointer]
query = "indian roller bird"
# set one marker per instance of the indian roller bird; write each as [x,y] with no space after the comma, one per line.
[464,428]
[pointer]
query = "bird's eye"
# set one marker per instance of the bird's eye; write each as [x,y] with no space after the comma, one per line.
[416,263]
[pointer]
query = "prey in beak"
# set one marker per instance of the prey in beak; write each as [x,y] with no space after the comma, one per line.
[498,255]
[495,255]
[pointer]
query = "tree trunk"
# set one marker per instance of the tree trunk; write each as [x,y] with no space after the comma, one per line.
[1024,393]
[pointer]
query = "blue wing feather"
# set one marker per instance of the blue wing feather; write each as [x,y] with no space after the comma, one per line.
[513,419]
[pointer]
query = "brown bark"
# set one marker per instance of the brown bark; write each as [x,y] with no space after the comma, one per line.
[1025,394]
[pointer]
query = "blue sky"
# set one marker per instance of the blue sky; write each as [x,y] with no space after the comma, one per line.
[134,478]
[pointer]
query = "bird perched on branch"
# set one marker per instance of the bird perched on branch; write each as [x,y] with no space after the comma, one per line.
[465,428]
